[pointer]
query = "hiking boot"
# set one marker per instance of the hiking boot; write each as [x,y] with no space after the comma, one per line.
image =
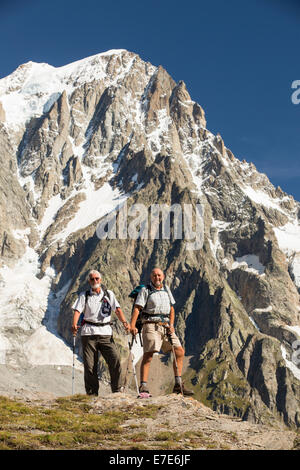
[143,389]
[186,392]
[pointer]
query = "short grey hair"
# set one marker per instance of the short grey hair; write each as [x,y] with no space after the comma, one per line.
[93,271]
[152,270]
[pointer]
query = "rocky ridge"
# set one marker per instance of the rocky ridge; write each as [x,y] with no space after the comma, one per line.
[167,422]
[79,141]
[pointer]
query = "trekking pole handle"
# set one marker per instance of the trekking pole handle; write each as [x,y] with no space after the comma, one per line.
[130,343]
[140,336]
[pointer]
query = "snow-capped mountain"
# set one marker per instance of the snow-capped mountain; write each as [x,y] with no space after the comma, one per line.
[82,141]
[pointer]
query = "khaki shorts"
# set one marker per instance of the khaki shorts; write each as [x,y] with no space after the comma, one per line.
[155,339]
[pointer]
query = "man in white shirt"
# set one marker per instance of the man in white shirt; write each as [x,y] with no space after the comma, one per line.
[97,306]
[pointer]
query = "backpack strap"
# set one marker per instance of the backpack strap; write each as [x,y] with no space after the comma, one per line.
[152,291]
[105,294]
[87,294]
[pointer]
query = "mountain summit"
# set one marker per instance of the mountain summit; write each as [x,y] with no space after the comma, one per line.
[111,137]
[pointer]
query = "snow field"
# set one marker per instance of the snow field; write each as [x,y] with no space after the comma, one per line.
[25,301]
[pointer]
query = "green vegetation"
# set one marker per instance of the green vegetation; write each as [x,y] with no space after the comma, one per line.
[66,423]
[187,439]
[296,445]
[220,388]
[76,423]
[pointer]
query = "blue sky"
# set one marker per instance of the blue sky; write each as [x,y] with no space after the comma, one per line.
[238,59]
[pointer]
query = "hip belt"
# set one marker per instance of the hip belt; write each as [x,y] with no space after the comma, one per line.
[160,323]
[98,323]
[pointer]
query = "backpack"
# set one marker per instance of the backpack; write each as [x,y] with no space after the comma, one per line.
[81,320]
[133,294]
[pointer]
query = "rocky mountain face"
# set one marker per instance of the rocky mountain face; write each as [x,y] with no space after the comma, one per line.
[81,144]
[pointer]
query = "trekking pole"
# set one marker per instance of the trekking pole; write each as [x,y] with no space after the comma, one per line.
[131,357]
[169,335]
[127,368]
[73,366]
[140,336]
[132,361]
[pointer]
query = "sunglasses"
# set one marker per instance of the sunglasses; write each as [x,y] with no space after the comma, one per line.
[94,278]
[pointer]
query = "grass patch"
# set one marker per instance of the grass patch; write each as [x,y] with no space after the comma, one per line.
[149,411]
[139,437]
[296,445]
[187,439]
[193,435]
[68,423]
[75,423]
[167,436]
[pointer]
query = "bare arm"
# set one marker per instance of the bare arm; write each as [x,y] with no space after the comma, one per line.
[122,318]
[172,319]
[75,321]
[134,317]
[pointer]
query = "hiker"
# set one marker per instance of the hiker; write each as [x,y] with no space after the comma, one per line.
[97,304]
[155,302]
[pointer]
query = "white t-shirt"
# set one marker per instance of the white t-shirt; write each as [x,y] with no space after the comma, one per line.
[96,311]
